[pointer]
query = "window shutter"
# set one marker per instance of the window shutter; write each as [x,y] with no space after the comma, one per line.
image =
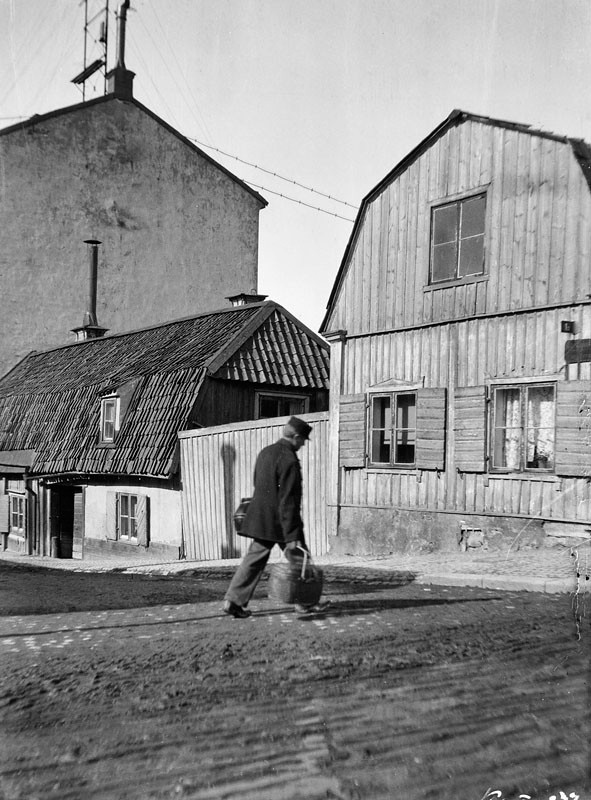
[573,428]
[352,430]
[4,513]
[470,428]
[142,516]
[111,515]
[430,429]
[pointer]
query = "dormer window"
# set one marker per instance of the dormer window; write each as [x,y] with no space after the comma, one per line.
[109,419]
[457,239]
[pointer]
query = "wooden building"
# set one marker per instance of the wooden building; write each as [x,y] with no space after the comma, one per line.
[89,447]
[179,231]
[460,330]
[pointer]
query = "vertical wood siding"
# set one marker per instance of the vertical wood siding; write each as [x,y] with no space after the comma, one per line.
[217,466]
[471,353]
[537,242]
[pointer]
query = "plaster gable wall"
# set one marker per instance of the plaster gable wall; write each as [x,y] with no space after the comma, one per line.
[538,237]
[178,233]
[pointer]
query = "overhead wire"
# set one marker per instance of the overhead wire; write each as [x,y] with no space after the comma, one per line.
[300,202]
[202,123]
[139,57]
[188,103]
[274,174]
[51,35]
[66,49]
[194,107]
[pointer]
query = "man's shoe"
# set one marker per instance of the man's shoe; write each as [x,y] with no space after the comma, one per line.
[316,608]
[234,610]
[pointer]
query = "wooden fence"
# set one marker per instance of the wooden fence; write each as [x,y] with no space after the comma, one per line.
[217,467]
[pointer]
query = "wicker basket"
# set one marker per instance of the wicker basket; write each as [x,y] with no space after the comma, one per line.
[292,583]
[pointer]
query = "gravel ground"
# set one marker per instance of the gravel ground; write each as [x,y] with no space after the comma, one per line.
[137,687]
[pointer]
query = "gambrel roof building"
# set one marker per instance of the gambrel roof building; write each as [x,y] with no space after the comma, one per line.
[460,323]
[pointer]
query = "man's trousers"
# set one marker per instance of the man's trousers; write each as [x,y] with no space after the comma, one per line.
[248,574]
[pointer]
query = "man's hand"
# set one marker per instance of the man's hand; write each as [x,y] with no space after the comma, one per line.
[297,545]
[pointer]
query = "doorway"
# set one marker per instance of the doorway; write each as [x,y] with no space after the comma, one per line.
[65,522]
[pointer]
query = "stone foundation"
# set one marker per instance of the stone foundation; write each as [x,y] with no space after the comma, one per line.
[120,551]
[380,532]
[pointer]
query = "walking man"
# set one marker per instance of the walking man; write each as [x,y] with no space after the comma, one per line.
[273,517]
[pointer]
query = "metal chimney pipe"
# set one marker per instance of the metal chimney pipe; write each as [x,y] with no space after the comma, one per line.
[121,20]
[90,316]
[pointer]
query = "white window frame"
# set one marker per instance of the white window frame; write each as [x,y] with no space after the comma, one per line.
[109,427]
[21,513]
[393,430]
[302,398]
[524,425]
[129,517]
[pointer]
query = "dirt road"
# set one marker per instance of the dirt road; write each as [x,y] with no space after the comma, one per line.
[138,687]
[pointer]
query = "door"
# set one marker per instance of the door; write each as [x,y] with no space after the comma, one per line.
[66,528]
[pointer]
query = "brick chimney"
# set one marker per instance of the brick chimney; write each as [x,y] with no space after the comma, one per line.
[120,79]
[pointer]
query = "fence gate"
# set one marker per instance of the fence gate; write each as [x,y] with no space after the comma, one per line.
[217,466]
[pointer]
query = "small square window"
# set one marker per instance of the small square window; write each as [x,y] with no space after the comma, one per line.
[457,239]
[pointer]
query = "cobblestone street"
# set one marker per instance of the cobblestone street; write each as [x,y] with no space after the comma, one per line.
[136,686]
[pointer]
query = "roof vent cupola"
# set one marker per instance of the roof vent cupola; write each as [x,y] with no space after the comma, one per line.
[90,329]
[244,299]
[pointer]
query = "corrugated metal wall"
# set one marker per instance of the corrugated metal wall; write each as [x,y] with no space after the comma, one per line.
[217,467]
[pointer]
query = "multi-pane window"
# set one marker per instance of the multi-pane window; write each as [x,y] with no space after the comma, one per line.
[393,423]
[17,513]
[109,418]
[127,517]
[524,427]
[279,405]
[457,239]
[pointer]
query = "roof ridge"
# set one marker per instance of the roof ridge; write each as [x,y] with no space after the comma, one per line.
[57,112]
[135,331]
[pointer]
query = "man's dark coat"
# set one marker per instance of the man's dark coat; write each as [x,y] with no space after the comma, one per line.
[274,513]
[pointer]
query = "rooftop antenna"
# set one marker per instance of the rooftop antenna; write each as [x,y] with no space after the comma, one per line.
[103,39]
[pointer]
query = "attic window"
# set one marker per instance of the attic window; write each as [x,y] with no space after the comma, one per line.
[280,405]
[457,239]
[109,419]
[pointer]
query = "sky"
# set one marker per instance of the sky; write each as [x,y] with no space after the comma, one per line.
[325,97]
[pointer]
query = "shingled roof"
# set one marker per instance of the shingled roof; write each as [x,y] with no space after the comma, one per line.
[50,401]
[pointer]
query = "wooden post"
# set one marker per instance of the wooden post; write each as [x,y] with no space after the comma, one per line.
[337,340]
